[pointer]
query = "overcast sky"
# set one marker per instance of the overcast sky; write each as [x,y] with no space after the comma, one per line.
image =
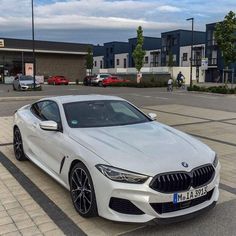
[99,21]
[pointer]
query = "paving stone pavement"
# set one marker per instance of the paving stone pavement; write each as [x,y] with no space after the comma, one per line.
[208,124]
[19,213]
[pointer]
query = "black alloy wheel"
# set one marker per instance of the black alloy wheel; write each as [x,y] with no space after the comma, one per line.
[82,191]
[18,145]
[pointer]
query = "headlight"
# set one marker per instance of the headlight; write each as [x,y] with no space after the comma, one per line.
[216,160]
[120,175]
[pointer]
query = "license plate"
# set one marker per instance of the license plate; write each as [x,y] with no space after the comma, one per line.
[186,196]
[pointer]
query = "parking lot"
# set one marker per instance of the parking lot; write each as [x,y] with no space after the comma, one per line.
[32,203]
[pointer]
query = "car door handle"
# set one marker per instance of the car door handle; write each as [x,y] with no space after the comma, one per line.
[35,125]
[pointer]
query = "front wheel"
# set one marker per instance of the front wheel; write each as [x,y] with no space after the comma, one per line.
[82,191]
[18,145]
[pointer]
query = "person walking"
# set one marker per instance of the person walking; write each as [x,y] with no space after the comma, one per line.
[170,85]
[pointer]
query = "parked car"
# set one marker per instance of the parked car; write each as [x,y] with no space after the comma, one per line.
[58,80]
[87,80]
[25,82]
[116,161]
[113,80]
[97,80]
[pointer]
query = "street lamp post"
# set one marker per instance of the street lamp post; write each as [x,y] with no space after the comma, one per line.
[33,43]
[191,60]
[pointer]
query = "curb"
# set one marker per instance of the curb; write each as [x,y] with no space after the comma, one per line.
[215,94]
[6,99]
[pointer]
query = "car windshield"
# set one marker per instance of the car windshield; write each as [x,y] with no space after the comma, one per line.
[27,77]
[102,113]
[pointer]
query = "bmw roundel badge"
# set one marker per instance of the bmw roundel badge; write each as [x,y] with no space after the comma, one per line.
[184,164]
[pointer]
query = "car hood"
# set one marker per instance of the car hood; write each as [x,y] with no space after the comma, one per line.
[148,148]
[28,82]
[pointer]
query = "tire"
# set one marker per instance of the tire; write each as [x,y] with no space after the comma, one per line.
[84,200]
[14,87]
[18,145]
[54,83]
[100,83]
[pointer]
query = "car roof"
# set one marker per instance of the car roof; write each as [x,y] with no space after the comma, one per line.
[81,98]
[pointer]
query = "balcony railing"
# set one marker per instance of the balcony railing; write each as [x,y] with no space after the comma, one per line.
[154,64]
[212,61]
[212,42]
[197,62]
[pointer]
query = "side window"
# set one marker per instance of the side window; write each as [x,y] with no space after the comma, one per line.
[36,109]
[50,111]
[46,110]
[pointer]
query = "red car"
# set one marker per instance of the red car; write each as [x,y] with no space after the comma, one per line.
[57,80]
[113,80]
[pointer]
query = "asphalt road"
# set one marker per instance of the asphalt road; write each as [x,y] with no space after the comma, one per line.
[11,100]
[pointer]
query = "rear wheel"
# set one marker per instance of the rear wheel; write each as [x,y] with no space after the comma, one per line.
[100,83]
[14,87]
[18,145]
[82,191]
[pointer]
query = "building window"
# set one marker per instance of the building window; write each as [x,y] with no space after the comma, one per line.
[125,63]
[111,50]
[95,63]
[185,56]
[117,62]
[146,60]
[101,64]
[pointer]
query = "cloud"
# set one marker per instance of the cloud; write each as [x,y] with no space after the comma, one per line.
[168,8]
[116,15]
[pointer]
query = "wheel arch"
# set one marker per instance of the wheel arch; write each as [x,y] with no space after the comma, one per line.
[73,163]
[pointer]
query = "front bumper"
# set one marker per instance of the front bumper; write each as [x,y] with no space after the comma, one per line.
[142,196]
[30,87]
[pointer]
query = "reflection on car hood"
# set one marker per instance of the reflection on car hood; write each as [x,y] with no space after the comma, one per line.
[147,148]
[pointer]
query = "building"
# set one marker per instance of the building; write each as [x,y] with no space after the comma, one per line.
[177,44]
[98,57]
[215,70]
[152,46]
[52,58]
[110,55]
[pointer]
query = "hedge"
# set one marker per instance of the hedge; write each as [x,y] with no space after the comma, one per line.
[143,84]
[213,89]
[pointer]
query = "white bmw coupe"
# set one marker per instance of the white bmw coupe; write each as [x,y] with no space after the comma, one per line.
[116,161]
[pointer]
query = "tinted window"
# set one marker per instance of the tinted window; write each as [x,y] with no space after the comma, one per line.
[36,109]
[102,113]
[46,110]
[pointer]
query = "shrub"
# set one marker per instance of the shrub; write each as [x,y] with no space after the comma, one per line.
[213,89]
[142,84]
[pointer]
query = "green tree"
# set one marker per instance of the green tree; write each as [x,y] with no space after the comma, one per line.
[89,60]
[170,63]
[225,35]
[139,53]
[170,60]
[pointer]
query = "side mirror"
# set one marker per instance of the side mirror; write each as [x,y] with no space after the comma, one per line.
[153,116]
[49,125]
